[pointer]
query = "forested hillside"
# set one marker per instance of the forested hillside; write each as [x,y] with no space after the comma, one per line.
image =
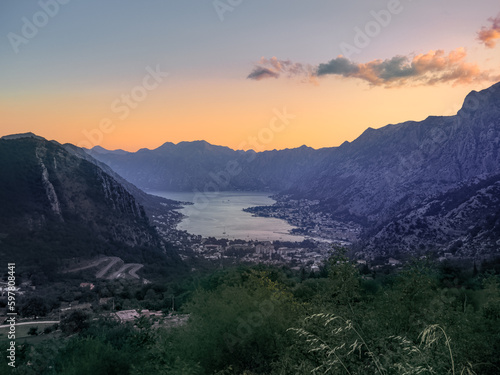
[424,319]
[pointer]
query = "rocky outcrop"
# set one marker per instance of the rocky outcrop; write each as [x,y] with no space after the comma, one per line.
[49,188]
[153,205]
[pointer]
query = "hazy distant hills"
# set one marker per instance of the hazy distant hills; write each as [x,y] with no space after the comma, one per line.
[56,205]
[199,165]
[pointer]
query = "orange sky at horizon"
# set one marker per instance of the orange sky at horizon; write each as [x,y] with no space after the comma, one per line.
[236,112]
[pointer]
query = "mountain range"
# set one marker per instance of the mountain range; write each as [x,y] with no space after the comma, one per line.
[56,203]
[383,174]
[432,185]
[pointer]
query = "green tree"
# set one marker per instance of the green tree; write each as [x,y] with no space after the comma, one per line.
[91,355]
[237,322]
[344,279]
[75,322]
[34,307]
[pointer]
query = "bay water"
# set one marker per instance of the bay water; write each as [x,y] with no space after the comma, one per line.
[221,215]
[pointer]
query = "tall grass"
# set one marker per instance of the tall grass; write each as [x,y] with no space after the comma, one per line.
[340,348]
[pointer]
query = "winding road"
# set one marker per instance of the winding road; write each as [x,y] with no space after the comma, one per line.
[134,267]
[126,268]
[103,271]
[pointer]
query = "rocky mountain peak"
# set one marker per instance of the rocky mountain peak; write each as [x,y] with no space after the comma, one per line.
[487,99]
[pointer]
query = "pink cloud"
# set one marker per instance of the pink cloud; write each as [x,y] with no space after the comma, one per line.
[489,35]
[428,69]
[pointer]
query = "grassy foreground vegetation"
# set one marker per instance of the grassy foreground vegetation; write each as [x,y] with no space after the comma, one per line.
[425,319]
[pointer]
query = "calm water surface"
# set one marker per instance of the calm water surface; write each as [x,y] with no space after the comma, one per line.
[222,216]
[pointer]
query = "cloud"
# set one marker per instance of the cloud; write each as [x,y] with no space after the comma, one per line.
[489,35]
[274,68]
[340,65]
[261,73]
[375,72]
[430,68]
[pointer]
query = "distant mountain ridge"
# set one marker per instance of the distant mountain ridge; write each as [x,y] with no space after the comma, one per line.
[188,166]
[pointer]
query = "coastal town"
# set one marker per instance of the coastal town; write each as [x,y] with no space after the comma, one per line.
[309,253]
[305,254]
[315,233]
[308,220]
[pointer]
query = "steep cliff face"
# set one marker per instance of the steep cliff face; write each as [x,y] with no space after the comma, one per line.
[55,204]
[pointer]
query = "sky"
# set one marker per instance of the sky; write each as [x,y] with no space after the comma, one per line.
[256,74]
